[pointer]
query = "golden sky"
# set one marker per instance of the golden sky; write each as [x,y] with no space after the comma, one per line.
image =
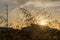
[13,4]
[14,11]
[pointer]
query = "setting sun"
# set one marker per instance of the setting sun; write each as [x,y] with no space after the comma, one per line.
[43,22]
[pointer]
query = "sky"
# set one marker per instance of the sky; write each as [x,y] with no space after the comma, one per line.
[54,4]
[14,5]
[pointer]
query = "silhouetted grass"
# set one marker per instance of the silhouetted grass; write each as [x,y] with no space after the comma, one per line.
[33,32]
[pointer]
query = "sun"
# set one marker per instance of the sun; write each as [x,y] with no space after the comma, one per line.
[43,22]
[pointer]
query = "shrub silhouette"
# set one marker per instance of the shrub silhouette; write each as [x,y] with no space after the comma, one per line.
[33,32]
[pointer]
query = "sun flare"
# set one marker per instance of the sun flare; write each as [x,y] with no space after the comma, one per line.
[43,22]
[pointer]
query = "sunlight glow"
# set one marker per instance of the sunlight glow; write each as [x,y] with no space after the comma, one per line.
[43,22]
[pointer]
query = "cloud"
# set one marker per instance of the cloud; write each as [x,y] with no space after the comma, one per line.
[43,4]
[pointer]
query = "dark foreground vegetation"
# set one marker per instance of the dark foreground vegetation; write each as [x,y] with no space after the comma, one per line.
[33,32]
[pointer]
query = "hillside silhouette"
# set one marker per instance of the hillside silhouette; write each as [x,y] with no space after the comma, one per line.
[33,32]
